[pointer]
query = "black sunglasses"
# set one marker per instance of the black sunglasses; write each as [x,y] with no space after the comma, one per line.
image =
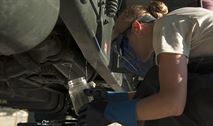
[142,19]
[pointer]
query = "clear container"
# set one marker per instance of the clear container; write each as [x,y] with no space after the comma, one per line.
[76,93]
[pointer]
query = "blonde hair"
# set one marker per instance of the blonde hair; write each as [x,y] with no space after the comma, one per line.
[134,12]
[158,9]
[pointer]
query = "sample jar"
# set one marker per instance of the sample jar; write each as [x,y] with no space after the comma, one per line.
[76,92]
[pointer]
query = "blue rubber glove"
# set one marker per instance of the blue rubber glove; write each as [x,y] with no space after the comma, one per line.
[116,96]
[92,114]
[123,112]
[106,95]
[102,113]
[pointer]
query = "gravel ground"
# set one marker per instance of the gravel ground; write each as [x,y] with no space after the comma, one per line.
[115,124]
[21,116]
[12,120]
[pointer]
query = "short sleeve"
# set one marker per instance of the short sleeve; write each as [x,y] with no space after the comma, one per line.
[172,34]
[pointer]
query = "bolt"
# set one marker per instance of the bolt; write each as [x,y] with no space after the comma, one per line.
[106,22]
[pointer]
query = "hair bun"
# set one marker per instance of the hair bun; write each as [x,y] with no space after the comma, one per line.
[157,9]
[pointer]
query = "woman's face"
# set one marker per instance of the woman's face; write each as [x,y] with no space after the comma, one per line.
[141,42]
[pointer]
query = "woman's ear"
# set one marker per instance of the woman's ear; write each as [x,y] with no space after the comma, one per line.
[137,26]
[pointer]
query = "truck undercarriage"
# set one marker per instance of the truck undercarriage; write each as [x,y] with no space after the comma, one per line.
[36,64]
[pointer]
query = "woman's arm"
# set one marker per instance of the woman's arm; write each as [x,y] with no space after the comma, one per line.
[171,99]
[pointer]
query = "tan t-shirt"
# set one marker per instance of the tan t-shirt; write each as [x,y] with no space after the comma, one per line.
[187,31]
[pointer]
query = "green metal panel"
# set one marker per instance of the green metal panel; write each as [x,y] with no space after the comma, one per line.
[91,29]
[25,23]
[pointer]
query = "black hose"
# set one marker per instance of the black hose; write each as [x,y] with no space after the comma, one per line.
[111,7]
